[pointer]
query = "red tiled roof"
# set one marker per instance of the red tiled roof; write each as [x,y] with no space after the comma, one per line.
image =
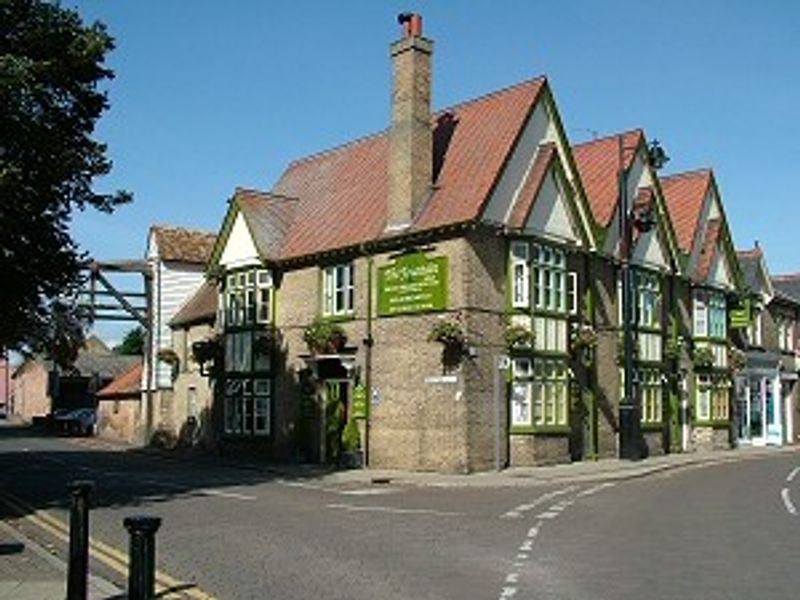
[342,194]
[127,385]
[709,250]
[531,186]
[202,306]
[176,244]
[598,166]
[684,194]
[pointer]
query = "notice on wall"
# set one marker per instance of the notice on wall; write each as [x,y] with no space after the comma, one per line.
[413,284]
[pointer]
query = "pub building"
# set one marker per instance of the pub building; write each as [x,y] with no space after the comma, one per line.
[444,295]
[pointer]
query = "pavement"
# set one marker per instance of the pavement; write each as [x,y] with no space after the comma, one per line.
[606,469]
[29,572]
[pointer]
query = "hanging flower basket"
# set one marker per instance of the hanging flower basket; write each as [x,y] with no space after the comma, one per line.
[447,332]
[518,336]
[737,359]
[168,356]
[324,337]
[673,348]
[703,358]
[207,351]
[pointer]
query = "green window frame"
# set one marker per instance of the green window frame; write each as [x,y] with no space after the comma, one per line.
[651,395]
[247,298]
[247,406]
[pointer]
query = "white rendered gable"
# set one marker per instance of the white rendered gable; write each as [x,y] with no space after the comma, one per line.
[550,216]
[506,192]
[719,274]
[240,250]
[650,252]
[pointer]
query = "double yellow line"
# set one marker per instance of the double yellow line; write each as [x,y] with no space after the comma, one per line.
[166,586]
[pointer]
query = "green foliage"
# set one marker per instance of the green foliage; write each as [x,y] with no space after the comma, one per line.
[351,437]
[447,332]
[323,337]
[703,358]
[132,343]
[51,70]
[519,337]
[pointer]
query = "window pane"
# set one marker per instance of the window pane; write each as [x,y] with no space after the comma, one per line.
[521,403]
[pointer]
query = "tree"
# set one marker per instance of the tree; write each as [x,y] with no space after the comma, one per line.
[132,343]
[51,69]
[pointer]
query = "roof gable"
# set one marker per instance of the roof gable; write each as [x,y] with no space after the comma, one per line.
[552,214]
[238,247]
[686,195]
[755,274]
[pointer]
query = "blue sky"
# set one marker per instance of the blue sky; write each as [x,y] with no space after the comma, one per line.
[213,95]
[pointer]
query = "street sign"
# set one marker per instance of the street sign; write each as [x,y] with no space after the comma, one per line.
[360,404]
[413,284]
[740,316]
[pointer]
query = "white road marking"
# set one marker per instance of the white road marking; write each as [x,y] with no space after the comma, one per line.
[392,510]
[547,515]
[787,501]
[366,492]
[232,495]
[593,490]
[517,512]
[508,592]
[791,475]
[512,578]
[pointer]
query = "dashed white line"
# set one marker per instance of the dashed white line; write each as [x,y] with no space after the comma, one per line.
[791,475]
[787,501]
[593,490]
[231,495]
[518,511]
[392,510]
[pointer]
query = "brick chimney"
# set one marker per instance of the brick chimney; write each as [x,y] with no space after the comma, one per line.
[411,134]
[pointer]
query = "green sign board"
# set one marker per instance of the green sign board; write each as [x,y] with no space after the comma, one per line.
[413,284]
[740,316]
[360,404]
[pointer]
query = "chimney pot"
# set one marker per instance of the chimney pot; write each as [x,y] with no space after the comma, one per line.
[412,24]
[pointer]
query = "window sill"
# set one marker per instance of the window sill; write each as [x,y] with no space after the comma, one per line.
[713,424]
[540,429]
[339,318]
[652,427]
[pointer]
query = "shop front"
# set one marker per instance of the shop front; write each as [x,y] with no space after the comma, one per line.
[759,402]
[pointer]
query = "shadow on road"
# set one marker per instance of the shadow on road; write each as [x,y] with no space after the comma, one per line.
[37,466]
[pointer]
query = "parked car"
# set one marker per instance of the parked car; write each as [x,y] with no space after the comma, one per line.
[80,421]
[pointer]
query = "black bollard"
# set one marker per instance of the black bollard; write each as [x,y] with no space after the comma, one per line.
[142,568]
[78,570]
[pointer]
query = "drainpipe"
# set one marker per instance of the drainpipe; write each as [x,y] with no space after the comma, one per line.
[368,343]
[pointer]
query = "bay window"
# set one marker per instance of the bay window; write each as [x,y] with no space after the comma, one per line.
[543,293]
[338,290]
[247,310]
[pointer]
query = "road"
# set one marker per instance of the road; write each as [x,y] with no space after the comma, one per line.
[724,531]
